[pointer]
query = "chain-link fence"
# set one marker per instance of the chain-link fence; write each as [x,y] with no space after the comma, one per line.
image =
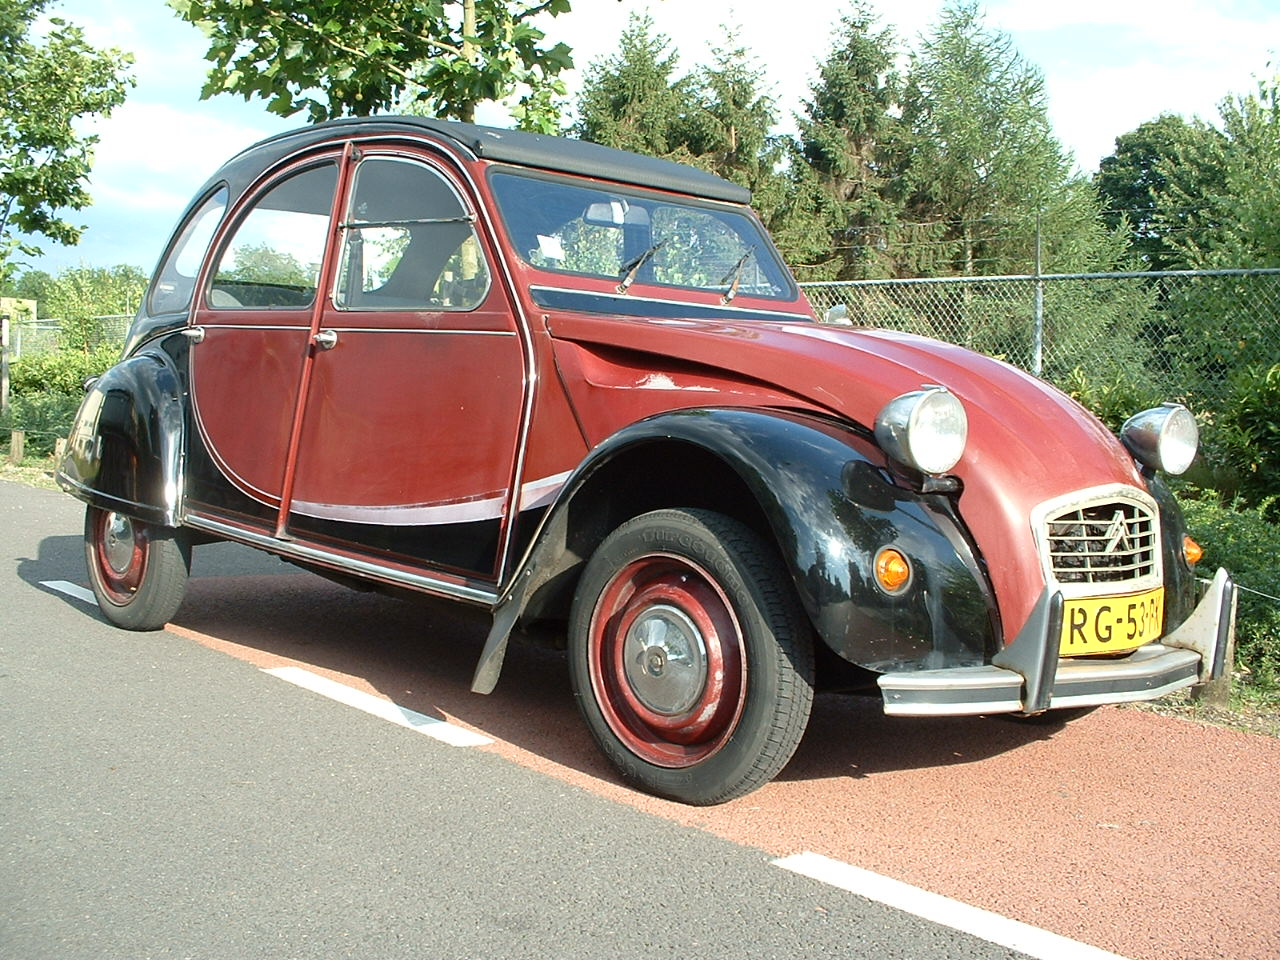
[32,337]
[1185,335]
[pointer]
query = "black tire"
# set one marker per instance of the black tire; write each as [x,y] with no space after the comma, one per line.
[690,657]
[138,571]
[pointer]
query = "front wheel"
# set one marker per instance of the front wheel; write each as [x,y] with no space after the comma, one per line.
[138,571]
[690,657]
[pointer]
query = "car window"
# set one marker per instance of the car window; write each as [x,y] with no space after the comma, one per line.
[176,278]
[409,242]
[274,257]
[567,227]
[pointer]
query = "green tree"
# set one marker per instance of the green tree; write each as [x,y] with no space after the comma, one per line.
[717,118]
[332,58]
[731,116]
[264,263]
[632,100]
[47,85]
[1152,164]
[983,158]
[850,137]
[1221,329]
[81,296]
[1240,226]
[30,285]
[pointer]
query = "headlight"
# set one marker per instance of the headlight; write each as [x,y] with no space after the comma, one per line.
[925,429]
[1163,438]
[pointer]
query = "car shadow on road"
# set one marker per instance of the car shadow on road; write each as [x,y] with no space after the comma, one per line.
[421,655]
[850,737]
[59,558]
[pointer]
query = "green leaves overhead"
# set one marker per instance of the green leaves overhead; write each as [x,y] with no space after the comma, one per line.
[48,85]
[332,58]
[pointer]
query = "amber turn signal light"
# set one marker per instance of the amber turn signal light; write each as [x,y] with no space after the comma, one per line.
[1192,551]
[893,570]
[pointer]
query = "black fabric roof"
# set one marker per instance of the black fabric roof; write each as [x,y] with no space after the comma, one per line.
[508,146]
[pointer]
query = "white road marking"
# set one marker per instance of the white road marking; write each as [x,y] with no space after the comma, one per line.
[942,910]
[71,590]
[384,709]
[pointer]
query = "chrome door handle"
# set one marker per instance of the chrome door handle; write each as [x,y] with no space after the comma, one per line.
[326,339]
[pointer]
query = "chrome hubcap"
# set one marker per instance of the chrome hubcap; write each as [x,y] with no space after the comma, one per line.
[665,661]
[118,543]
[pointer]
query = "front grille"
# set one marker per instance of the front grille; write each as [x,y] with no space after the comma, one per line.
[1109,542]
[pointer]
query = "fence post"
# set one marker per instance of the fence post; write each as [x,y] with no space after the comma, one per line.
[1037,359]
[4,363]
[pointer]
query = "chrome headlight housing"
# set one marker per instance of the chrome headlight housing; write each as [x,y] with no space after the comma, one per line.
[925,429]
[1163,438]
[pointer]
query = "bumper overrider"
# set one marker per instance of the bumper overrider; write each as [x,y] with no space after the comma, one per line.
[1029,677]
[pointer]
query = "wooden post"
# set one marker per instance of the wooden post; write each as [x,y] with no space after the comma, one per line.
[4,363]
[17,445]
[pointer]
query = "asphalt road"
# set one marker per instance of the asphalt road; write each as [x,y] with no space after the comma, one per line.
[162,795]
[160,799]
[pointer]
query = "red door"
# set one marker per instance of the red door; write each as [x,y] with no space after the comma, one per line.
[255,320]
[411,422]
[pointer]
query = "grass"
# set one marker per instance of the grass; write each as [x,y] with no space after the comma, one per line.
[1249,711]
[32,471]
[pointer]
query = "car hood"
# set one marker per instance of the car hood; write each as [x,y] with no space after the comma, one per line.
[1028,442]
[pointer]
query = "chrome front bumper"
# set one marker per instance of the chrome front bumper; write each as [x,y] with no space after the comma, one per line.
[1028,677]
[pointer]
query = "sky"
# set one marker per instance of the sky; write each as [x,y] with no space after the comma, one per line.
[1109,65]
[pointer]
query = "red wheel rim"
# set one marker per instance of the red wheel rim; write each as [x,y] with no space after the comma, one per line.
[666,661]
[119,555]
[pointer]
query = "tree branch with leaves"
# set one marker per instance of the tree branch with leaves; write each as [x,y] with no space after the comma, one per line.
[46,85]
[332,58]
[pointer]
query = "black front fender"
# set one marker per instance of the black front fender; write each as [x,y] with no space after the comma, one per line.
[820,491]
[124,452]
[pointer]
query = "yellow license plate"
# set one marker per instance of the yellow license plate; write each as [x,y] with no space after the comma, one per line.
[1111,624]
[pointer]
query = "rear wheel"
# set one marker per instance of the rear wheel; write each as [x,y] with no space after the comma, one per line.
[690,656]
[138,571]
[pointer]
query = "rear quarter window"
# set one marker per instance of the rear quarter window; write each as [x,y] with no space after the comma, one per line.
[176,279]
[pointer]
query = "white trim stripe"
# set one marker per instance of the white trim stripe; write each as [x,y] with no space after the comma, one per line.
[538,493]
[440,730]
[71,590]
[535,493]
[984,924]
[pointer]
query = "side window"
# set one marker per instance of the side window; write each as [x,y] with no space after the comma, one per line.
[176,278]
[410,243]
[274,257]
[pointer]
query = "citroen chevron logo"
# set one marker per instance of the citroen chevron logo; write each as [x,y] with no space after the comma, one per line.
[1117,536]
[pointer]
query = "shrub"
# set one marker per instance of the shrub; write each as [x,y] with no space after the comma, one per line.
[1113,399]
[62,372]
[1242,539]
[1248,439]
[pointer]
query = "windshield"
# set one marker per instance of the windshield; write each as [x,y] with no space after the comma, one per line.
[638,238]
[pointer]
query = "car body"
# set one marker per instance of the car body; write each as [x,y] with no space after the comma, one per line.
[580,389]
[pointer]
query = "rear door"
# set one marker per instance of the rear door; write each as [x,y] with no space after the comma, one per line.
[412,413]
[252,332]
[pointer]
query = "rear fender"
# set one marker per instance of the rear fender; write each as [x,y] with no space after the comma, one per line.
[124,452]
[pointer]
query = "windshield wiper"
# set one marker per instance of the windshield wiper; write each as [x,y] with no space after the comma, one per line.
[632,267]
[735,274]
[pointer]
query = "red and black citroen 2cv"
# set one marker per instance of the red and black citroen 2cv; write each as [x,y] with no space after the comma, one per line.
[578,388]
